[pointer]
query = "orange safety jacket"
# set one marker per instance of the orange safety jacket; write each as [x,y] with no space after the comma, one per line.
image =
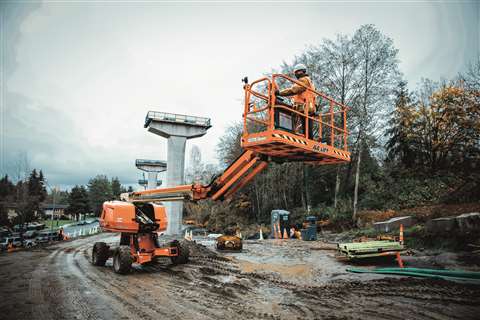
[301,96]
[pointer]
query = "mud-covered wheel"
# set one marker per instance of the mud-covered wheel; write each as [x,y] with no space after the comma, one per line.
[100,254]
[122,260]
[220,245]
[183,252]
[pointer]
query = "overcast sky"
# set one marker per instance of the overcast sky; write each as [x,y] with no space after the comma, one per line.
[78,78]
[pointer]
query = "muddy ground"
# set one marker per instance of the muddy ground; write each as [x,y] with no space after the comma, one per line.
[268,280]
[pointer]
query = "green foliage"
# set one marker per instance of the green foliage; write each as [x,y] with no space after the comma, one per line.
[4,216]
[99,191]
[78,201]
[7,189]
[28,195]
[434,138]
[116,188]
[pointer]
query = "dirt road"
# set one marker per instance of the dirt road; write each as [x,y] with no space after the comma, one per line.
[59,282]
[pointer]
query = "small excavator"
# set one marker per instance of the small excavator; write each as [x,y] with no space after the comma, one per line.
[275,129]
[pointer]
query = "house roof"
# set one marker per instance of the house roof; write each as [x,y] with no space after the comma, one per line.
[51,206]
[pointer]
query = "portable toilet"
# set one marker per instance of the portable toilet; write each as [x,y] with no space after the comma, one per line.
[309,233]
[282,218]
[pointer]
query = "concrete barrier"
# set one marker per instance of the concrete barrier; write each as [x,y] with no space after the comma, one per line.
[440,225]
[469,222]
[393,224]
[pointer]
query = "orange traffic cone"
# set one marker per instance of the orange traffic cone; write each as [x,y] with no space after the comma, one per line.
[279,231]
[285,235]
[401,234]
[274,231]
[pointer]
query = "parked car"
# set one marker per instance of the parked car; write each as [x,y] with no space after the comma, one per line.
[4,232]
[46,236]
[30,234]
[28,243]
[3,244]
[16,241]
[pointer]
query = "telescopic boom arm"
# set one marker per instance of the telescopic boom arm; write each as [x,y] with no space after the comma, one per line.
[235,177]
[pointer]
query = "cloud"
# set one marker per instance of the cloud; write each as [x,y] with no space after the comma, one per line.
[82,76]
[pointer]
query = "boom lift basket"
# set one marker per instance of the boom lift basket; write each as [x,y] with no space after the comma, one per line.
[271,125]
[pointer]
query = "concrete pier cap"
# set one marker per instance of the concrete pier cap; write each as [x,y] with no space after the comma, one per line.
[177,129]
[153,168]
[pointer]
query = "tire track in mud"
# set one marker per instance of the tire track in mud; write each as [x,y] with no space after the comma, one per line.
[121,293]
[177,289]
[39,306]
[66,285]
[63,293]
[375,299]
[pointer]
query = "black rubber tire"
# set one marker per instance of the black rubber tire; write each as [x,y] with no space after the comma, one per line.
[183,252]
[100,254]
[122,260]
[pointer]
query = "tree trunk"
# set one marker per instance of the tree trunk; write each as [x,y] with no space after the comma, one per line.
[258,200]
[305,186]
[337,188]
[357,178]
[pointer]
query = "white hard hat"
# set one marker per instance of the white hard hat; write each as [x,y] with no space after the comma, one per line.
[299,66]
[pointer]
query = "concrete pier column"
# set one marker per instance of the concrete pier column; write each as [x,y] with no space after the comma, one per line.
[177,129]
[175,177]
[152,180]
[153,168]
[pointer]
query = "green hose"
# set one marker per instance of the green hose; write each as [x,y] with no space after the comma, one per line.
[453,275]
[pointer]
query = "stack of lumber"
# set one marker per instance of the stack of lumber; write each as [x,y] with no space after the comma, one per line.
[358,250]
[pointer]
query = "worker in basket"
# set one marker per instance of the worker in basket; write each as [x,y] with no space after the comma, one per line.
[302,99]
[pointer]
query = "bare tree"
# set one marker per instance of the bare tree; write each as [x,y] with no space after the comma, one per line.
[378,75]
[471,77]
[334,70]
[196,168]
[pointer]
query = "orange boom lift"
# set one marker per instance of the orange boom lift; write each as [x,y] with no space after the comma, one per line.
[273,130]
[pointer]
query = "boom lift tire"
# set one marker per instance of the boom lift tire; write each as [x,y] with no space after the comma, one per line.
[122,260]
[183,252]
[100,254]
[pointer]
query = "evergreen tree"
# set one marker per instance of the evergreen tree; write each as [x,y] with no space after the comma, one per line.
[78,201]
[99,191]
[400,143]
[7,189]
[116,188]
